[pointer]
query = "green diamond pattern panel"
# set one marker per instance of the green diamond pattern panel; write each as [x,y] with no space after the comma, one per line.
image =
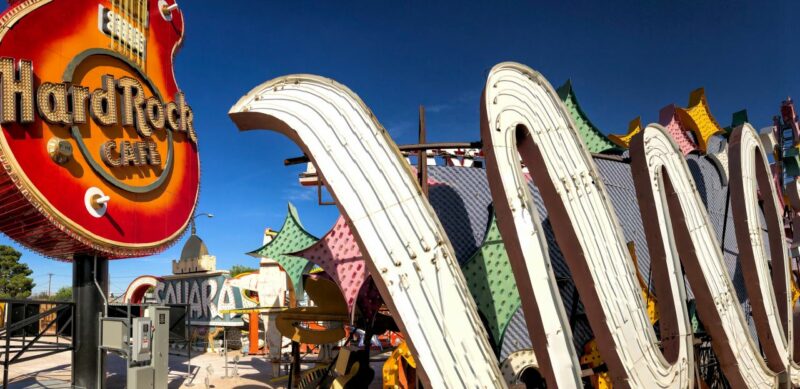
[290,239]
[591,135]
[491,281]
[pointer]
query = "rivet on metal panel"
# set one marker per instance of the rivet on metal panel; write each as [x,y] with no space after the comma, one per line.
[425,246]
[404,281]
[395,261]
[410,252]
[419,271]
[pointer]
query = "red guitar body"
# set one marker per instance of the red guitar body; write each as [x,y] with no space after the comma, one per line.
[44,205]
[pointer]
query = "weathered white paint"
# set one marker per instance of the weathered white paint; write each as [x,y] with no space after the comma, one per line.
[503,108]
[522,112]
[414,266]
[768,286]
[411,259]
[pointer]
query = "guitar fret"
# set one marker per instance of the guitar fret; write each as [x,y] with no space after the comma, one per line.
[125,22]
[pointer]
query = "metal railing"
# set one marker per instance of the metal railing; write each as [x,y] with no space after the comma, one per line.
[34,329]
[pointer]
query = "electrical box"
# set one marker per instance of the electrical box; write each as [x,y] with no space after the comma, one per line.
[141,377]
[160,350]
[142,339]
[115,333]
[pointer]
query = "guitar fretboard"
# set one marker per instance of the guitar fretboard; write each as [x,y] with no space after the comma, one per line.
[126,23]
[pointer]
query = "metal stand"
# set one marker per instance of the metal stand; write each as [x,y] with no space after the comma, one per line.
[88,369]
[294,368]
[188,335]
[225,347]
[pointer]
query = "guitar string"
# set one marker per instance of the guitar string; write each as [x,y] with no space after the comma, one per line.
[113,25]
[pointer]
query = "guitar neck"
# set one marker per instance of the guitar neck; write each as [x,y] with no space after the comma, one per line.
[126,23]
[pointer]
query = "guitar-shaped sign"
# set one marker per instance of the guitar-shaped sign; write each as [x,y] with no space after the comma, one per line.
[98,144]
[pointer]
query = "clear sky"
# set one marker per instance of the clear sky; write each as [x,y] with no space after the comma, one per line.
[624,60]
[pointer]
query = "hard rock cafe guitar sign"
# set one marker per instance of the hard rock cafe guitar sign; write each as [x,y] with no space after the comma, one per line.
[98,143]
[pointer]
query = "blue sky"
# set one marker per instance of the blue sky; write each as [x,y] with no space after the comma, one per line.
[624,60]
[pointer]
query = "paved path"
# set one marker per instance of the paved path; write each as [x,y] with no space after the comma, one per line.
[53,372]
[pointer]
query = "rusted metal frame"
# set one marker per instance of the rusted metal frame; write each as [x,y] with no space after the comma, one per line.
[319,195]
[422,155]
[405,148]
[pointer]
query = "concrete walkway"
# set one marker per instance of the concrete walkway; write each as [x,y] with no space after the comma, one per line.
[53,372]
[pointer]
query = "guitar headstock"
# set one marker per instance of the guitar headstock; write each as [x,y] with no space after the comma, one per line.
[127,23]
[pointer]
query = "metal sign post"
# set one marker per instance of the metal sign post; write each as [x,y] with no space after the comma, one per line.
[88,370]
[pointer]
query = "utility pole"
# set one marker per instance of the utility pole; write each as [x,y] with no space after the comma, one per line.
[49,282]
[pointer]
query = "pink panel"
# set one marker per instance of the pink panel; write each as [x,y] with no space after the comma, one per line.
[669,119]
[337,253]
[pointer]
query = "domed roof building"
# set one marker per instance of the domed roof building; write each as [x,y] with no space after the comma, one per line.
[194,258]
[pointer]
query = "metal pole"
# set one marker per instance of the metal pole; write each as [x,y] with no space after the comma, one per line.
[225,347]
[422,155]
[8,342]
[294,368]
[49,283]
[88,361]
[252,335]
[101,355]
[188,334]
[725,220]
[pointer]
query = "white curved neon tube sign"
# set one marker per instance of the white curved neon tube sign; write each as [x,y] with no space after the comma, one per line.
[769,290]
[522,113]
[685,224]
[414,265]
[412,260]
